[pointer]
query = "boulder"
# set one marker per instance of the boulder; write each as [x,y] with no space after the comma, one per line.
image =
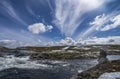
[103,57]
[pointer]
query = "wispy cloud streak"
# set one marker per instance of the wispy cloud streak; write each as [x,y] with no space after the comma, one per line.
[7,7]
[31,5]
[102,23]
[68,13]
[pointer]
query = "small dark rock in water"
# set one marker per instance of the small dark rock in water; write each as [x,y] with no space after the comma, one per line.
[103,57]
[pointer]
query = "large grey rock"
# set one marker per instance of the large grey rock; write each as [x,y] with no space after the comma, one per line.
[103,57]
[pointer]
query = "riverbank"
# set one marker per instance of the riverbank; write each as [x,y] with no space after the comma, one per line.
[95,72]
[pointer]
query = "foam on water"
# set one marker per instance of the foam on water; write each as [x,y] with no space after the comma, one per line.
[20,62]
[24,62]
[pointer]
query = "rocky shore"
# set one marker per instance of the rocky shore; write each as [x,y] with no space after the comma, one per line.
[95,72]
[104,65]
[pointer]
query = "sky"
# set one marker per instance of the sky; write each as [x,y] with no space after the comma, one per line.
[54,22]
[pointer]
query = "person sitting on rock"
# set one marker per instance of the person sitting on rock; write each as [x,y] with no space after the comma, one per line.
[103,57]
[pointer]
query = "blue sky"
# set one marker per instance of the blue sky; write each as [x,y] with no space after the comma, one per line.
[38,22]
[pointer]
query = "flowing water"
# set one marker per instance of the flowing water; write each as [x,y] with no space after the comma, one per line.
[46,69]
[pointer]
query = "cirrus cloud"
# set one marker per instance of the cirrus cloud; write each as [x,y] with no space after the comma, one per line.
[9,11]
[68,13]
[102,23]
[106,22]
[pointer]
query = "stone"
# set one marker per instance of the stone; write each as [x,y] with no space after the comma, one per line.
[103,57]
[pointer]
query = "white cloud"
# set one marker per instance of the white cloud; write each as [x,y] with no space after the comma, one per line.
[100,20]
[49,27]
[106,22]
[13,43]
[67,41]
[102,23]
[68,13]
[23,38]
[103,40]
[115,23]
[6,42]
[115,40]
[39,28]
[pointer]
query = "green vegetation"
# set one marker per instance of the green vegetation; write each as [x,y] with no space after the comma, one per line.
[64,55]
[61,52]
[41,49]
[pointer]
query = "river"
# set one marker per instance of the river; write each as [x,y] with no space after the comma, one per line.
[44,69]
[60,69]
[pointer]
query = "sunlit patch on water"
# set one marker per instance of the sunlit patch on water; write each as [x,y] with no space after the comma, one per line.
[113,57]
[113,75]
